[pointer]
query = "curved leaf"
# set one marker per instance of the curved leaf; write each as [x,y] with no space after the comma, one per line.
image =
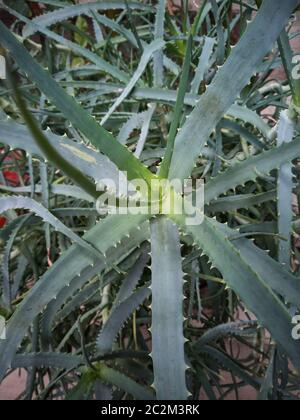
[147,55]
[8,203]
[98,136]
[227,363]
[250,169]
[72,263]
[238,328]
[66,190]
[118,317]
[273,273]
[76,290]
[248,282]
[243,201]
[122,381]
[90,162]
[220,95]
[51,18]
[76,48]
[202,64]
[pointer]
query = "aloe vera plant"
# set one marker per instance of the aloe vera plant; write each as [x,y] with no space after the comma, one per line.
[148,305]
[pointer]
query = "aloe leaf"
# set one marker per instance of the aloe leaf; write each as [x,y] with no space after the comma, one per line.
[276,277]
[147,55]
[240,112]
[76,48]
[242,132]
[244,201]
[65,190]
[116,27]
[238,328]
[82,390]
[267,227]
[19,275]
[78,293]
[201,15]
[118,317]
[98,136]
[125,263]
[227,363]
[202,64]
[84,296]
[165,166]
[171,65]
[98,32]
[290,64]
[73,262]
[55,3]
[285,134]
[47,360]
[131,280]
[250,169]
[51,153]
[88,161]
[122,381]
[247,115]
[236,111]
[6,286]
[8,203]
[52,310]
[167,320]
[219,32]
[65,13]
[74,211]
[43,170]
[13,222]
[228,83]
[108,376]
[134,122]
[158,59]
[145,130]
[246,281]
[267,384]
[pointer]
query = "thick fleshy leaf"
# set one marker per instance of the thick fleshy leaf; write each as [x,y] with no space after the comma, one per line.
[167,319]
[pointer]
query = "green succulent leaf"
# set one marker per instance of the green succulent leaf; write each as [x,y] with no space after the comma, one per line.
[286,129]
[248,282]
[87,160]
[250,169]
[167,320]
[72,263]
[224,89]
[8,203]
[118,317]
[98,136]
[65,13]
